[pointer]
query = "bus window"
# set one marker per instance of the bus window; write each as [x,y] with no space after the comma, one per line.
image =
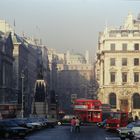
[115,115]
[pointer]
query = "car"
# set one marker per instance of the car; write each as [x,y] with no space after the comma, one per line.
[10,129]
[129,131]
[22,122]
[37,125]
[51,123]
[47,122]
[102,124]
[66,120]
[137,137]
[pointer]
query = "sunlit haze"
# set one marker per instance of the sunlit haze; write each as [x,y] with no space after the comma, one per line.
[67,24]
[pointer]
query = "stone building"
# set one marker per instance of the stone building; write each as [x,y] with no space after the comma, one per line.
[29,57]
[7,95]
[6,68]
[118,66]
[72,74]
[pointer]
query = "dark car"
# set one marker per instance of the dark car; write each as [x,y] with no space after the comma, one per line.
[102,124]
[35,123]
[66,120]
[22,122]
[11,129]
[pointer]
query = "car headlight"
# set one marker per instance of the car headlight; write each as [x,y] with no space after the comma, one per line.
[118,130]
[132,133]
[59,123]
[118,125]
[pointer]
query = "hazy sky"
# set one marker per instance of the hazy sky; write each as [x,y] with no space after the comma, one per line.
[67,24]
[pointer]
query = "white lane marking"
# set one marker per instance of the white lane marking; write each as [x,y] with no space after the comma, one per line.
[112,138]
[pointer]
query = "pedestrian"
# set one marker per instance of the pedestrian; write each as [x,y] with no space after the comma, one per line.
[77,125]
[73,122]
[136,118]
[130,118]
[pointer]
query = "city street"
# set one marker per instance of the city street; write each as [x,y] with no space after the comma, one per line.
[63,133]
[70,65]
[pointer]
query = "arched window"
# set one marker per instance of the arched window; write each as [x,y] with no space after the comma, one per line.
[112,100]
[136,101]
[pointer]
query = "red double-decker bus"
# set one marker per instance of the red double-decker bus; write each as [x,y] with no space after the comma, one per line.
[116,120]
[88,110]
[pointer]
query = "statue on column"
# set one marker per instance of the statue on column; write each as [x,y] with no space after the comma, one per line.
[40,96]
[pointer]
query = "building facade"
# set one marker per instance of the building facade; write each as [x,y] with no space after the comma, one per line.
[6,69]
[7,94]
[72,73]
[118,66]
[27,59]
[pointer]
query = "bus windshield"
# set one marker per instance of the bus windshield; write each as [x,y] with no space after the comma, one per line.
[115,115]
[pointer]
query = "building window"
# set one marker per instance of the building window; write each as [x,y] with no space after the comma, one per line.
[112,61]
[124,77]
[112,100]
[136,33]
[112,47]
[136,46]
[136,61]
[124,47]
[136,101]
[124,61]
[112,34]
[136,76]
[112,77]
[98,77]
[3,48]
[124,34]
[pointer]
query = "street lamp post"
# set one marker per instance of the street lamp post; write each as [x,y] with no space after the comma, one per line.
[22,99]
[56,103]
